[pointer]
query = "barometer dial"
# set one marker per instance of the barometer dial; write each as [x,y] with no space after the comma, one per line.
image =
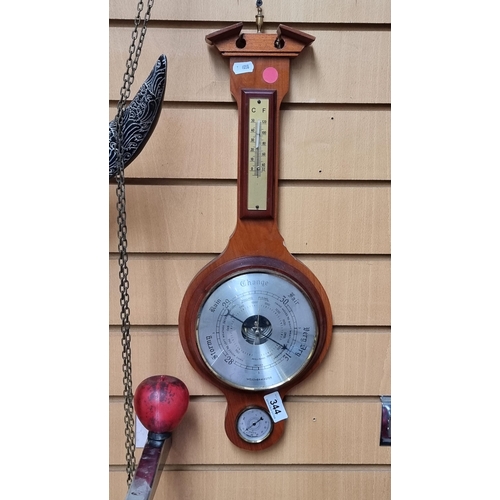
[256,330]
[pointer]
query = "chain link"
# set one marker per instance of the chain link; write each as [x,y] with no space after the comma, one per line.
[128,79]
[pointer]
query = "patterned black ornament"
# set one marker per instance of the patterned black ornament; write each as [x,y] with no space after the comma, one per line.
[139,118]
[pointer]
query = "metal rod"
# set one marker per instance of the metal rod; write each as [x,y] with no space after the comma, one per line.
[147,474]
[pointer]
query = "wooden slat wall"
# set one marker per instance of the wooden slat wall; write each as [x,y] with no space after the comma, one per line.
[343,67]
[312,11]
[336,143]
[334,214]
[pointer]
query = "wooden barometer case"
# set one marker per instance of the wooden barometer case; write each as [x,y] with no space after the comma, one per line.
[255,321]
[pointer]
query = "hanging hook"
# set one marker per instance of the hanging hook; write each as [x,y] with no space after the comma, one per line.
[259,18]
[279,43]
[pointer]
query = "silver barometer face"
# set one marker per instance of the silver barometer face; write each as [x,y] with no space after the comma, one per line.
[256,330]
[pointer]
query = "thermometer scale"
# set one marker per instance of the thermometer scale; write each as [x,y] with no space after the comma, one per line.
[258,149]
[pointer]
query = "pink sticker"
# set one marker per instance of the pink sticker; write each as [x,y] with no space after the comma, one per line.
[270,75]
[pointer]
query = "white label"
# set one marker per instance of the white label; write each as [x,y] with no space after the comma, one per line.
[275,406]
[243,67]
[141,434]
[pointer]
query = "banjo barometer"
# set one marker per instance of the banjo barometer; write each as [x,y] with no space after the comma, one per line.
[255,321]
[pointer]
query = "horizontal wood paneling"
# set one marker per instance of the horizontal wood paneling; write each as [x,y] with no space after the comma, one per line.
[358,289]
[334,214]
[346,219]
[317,144]
[312,11]
[357,364]
[278,484]
[335,432]
[340,66]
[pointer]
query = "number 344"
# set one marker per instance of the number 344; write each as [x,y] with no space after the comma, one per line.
[275,406]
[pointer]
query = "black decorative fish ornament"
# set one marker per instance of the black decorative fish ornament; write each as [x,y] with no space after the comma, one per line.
[139,118]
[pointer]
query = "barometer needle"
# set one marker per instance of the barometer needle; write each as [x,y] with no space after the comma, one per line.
[257,331]
[283,346]
[268,337]
[227,313]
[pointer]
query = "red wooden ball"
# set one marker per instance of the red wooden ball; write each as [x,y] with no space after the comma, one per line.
[160,402]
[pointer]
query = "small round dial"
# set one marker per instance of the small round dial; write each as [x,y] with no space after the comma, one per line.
[256,330]
[254,424]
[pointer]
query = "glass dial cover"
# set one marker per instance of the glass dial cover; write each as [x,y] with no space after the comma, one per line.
[256,330]
[254,424]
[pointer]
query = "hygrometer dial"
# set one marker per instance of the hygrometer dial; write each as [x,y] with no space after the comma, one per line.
[254,424]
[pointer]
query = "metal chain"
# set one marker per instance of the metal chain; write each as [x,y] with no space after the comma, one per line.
[128,79]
